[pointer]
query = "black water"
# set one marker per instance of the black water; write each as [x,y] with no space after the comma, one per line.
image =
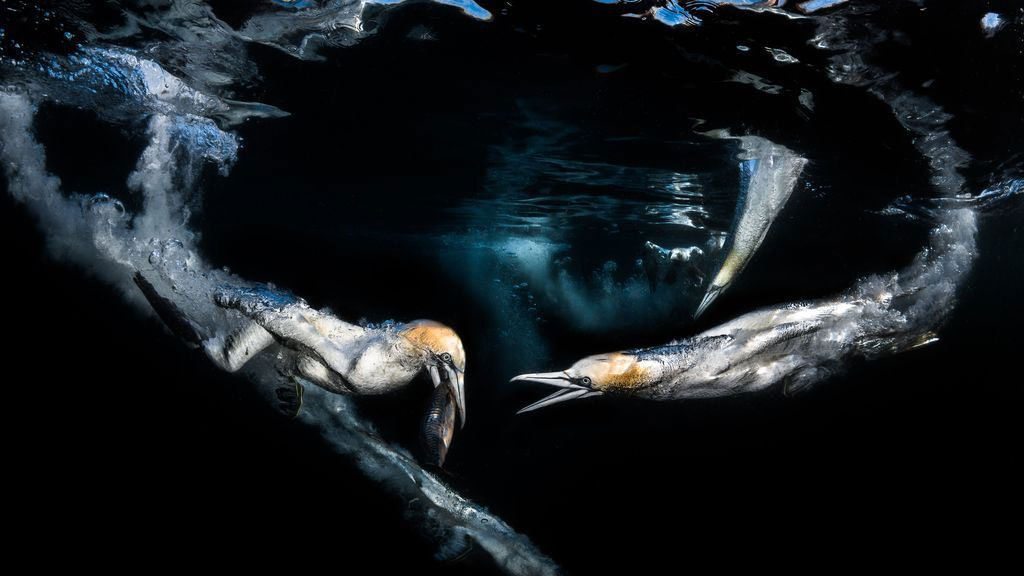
[398,150]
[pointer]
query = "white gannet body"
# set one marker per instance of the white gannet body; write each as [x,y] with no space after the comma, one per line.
[335,355]
[793,344]
[770,172]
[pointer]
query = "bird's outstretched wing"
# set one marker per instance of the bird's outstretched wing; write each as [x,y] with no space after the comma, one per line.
[294,323]
[169,312]
[231,352]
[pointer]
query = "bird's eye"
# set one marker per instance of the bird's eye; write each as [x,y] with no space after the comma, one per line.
[446,357]
[586,381]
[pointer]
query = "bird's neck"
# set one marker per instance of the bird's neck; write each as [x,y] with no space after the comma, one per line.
[684,364]
[383,361]
[406,352]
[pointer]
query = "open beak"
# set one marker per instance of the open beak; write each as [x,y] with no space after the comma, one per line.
[454,379]
[568,390]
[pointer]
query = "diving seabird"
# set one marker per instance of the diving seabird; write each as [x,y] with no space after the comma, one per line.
[770,172]
[795,344]
[337,356]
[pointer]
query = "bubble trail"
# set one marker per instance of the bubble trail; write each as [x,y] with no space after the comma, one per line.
[97,234]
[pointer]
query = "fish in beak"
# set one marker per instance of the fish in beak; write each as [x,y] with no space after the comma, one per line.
[569,388]
[440,349]
[439,426]
[442,372]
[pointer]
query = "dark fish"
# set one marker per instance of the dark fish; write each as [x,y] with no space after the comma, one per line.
[439,425]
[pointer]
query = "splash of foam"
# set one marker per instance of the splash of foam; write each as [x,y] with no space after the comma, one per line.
[100,236]
[302,30]
[803,343]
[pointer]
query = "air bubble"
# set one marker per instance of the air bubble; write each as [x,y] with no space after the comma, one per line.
[104,205]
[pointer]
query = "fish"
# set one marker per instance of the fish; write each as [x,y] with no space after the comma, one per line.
[439,426]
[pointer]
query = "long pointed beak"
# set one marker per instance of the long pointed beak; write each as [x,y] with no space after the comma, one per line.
[712,293]
[455,381]
[560,379]
[562,395]
[569,390]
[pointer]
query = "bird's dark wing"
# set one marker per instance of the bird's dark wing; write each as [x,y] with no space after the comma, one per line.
[169,312]
[294,323]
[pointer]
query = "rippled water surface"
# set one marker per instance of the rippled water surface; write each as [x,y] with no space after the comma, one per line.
[552,180]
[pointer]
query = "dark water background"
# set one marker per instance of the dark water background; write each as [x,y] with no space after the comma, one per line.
[118,434]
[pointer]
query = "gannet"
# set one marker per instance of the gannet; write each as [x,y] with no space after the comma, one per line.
[795,344]
[769,172]
[340,357]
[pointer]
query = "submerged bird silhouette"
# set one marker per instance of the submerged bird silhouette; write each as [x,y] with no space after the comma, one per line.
[340,357]
[794,344]
[768,174]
